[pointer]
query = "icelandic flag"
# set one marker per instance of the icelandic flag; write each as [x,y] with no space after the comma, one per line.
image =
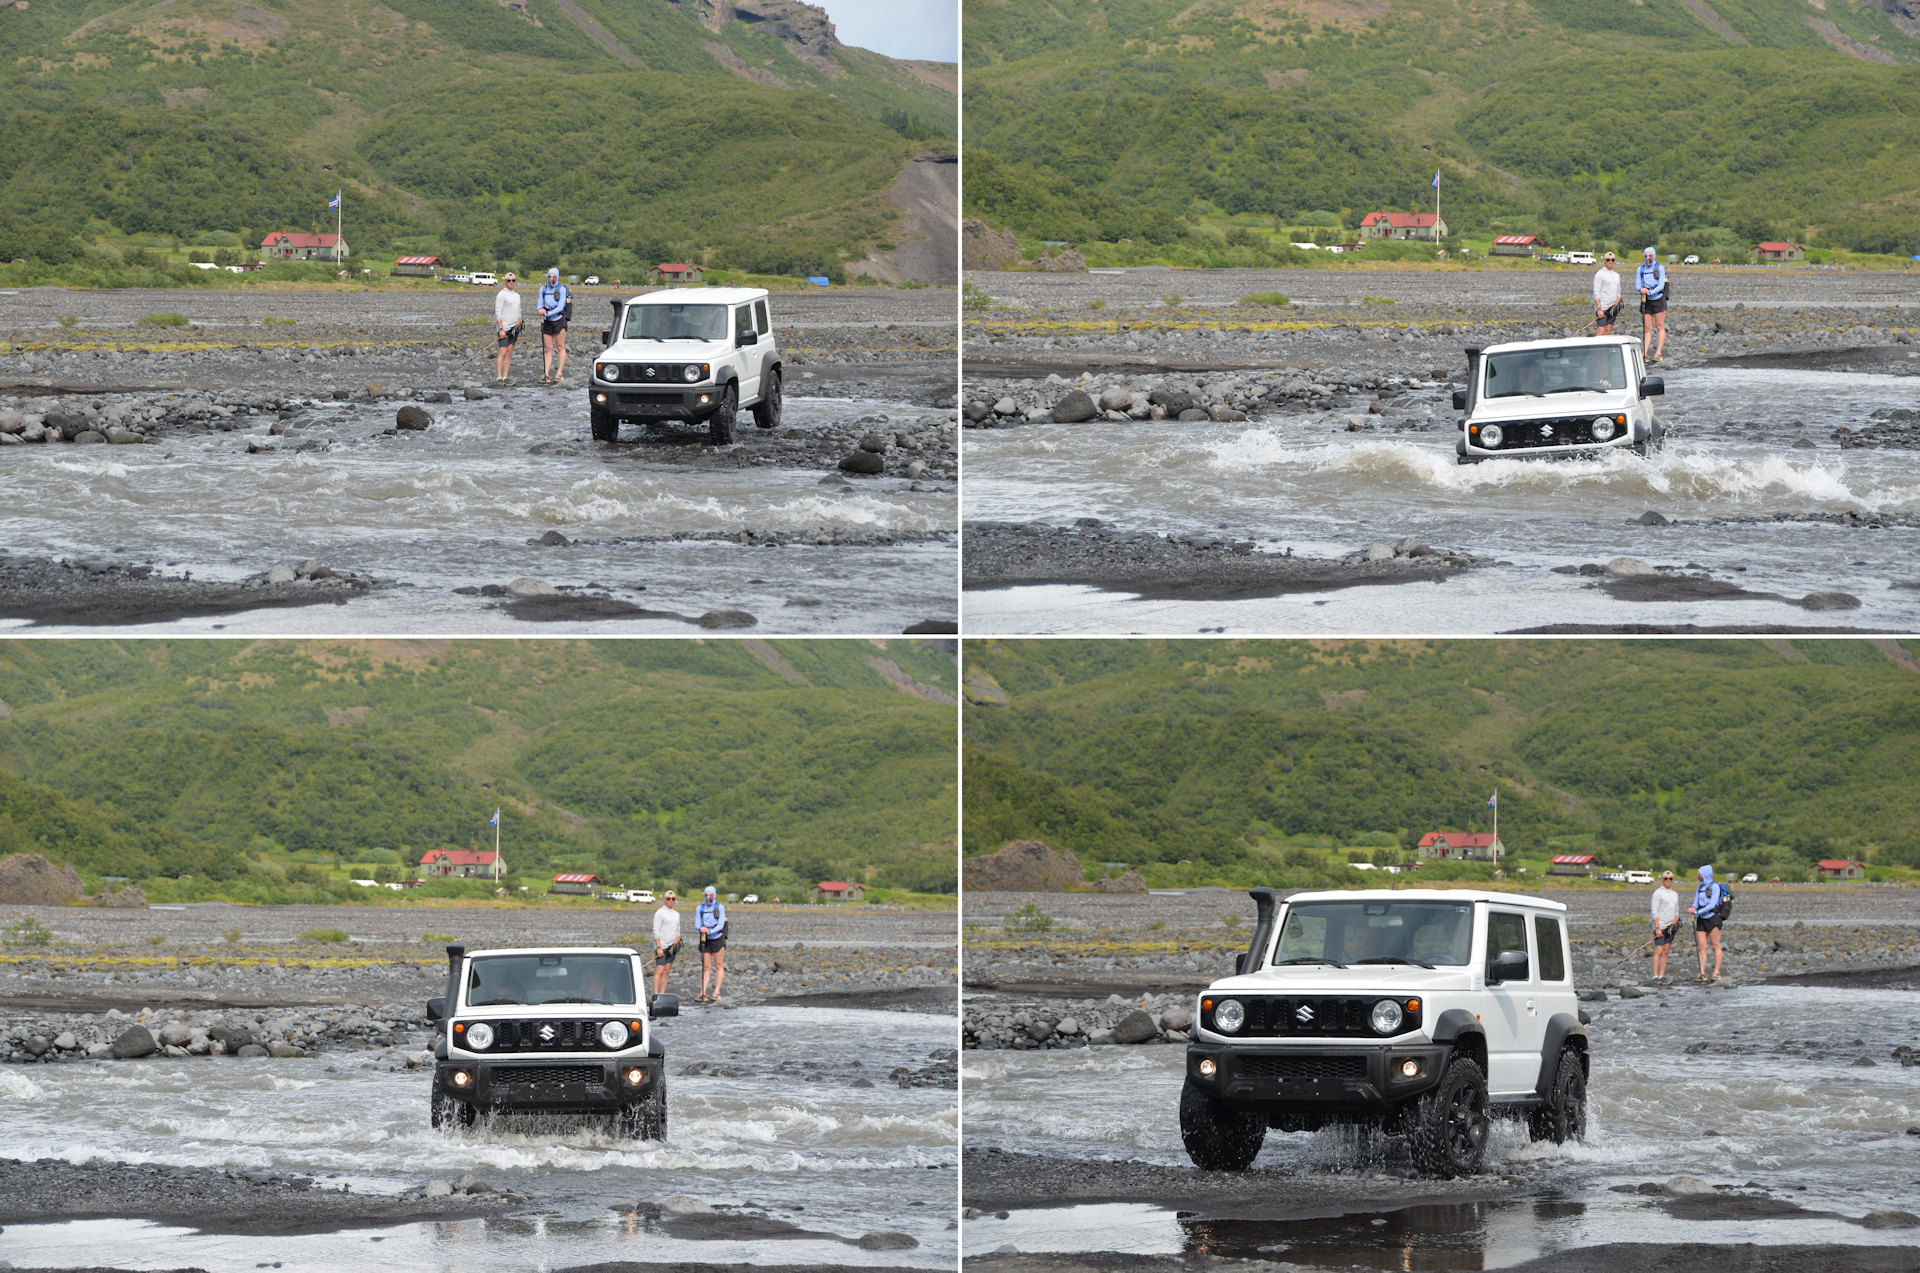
[496,819]
[1436,178]
[336,194]
[1493,801]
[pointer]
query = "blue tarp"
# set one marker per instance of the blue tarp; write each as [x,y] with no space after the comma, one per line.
[822,280]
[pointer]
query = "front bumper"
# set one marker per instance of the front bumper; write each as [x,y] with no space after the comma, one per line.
[549,1085]
[1322,1078]
[1528,440]
[654,402]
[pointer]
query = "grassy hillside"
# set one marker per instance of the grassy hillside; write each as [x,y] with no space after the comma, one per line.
[257,768]
[1243,758]
[1701,126]
[490,134]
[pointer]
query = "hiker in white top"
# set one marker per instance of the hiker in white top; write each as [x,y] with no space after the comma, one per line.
[506,319]
[1665,909]
[666,941]
[1606,297]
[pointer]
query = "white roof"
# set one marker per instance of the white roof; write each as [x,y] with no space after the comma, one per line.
[553,950]
[1563,342]
[701,296]
[1426,895]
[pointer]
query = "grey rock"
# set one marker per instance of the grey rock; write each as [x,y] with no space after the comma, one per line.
[65,1041]
[281,574]
[439,396]
[1135,1027]
[1889,1220]
[475,395]
[91,435]
[119,436]
[256,445]
[1068,1027]
[1651,518]
[282,1049]
[1040,1031]
[528,586]
[439,1188]
[1005,406]
[175,1034]
[685,1204]
[133,1042]
[1683,1186]
[412,418]
[727,619]
[38,1045]
[1118,398]
[1626,567]
[1221,413]
[873,443]
[1192,415]
[886,1240]
[863,462]
[917,469]
[1380,550]
[1830,601]
[1177,1020]
[252,1049]
[1074,408]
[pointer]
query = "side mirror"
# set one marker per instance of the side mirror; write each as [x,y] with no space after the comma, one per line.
[747,338]
[1508,965]
[1653,387]
[1239,963]
[669,1006]
[437,1008]
[606,337]
[1459,399]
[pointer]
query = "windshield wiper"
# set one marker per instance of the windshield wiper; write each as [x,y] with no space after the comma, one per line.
[493,1003]
[544,1002]
[1394,959]
[1577,389]
[1282,963]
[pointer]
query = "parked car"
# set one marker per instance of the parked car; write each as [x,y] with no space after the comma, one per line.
[1613,877]
[1361,866]
[1580,258]
[483,279]
[1639,877]
[592,280]
[1750,878]
[1539,399]
[550,1030]
[1691,260]
[700,356]
[751,898]
[641,895]
[1420,1013]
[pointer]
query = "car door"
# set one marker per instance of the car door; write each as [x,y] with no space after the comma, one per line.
[749,354]
[768,353]
[1513,1057]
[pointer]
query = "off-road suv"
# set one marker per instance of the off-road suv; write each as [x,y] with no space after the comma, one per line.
[1535,399]
[550,1030]
[1419,1012]
[699,354]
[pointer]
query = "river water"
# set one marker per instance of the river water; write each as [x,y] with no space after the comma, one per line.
[1310,486]
[1788,1104]
[824,1155]
[456,505]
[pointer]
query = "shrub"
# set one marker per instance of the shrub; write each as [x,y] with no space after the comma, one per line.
[232,936]
[165,318]
[158,939]
[435,939]
[1097,303]
[27,932]
[1274,299]
[274,320]
[1157,925]
[1376,300]
[972,297]
[69,321]
[1172,300]
[1028,919]
[324,934]
[1231,919]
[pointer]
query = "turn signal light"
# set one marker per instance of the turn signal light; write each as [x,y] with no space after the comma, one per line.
[460,1027]
[1207,1004]
[1413,1005]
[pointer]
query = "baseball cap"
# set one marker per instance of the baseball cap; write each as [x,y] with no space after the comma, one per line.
[512,277]
[1610,256]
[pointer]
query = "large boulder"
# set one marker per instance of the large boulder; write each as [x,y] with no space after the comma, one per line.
[134,1041]
[1023,866]
[27,879]
[984,248]
[1125,882]
[1135,1027]
[1074,408]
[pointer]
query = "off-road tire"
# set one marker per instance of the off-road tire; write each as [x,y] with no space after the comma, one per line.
[766,412]
[646,1119]
[1217,1137]
[1564,1115]
[720,424]
[1451,1122]
[605,425]
[449,1112]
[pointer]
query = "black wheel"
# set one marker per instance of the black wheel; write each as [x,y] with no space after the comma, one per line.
[766,412]
[1217,1137]
[1451,1123]
[606,425]
[1564,1116]
[449,1112]
[647,1118]
[720,423]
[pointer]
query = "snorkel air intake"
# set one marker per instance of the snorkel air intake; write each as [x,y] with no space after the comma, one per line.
[1473,378]
[1264,902]
[454,955]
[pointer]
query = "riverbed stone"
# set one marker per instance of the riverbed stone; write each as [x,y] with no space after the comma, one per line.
[528,586]
[863,462]
[252,1050]
[1889,1220]
[412,418]
[887,1240]
[281,573]
[1135,1027]
[1627,567]
[1074,407]
[685,1204]
[1683,1186]
[134,1042]
[175,1034]
[65,1041]
[1830,601]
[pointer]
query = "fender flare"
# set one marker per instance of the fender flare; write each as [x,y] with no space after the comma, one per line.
[1456,1026]
[1561,1027]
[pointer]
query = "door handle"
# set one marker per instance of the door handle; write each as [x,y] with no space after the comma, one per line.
[1530,1009]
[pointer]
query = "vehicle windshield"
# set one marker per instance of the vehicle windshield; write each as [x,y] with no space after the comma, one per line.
[540,979]
[1378,932]
[1533,373]
[675,322]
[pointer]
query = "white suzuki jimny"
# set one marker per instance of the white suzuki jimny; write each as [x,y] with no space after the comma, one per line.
[1545,398]
[698,354]
[550,1030]
[1419,1012]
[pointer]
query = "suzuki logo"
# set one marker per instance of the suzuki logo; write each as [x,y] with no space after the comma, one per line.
[652,372]
[1304,1014]
[546,1033]
[1546,430]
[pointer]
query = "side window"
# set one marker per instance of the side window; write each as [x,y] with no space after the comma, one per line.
[742,321]
[1551,949]
[1504,932]
[760,317]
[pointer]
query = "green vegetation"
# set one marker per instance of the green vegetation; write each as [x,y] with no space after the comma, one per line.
[325,935]
[1275,300]
[271,773]
[487,136]
[1284,762]
[1028,919]
[26,932]
[231,936]
[166,318]
[436,939]
[1218,134]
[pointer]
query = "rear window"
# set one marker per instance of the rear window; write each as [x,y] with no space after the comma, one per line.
[493,980]
[1529,373]
[1553,951]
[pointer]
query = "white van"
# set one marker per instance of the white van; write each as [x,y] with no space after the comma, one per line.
[1579,258]
[483,280]
[1639,877]
[642,895]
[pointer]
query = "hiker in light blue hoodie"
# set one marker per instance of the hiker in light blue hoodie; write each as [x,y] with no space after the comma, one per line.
[1706,920]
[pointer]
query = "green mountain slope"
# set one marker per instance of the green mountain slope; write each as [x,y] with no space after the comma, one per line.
[1212,752]
[768,765]
[1708,123]
[603,134]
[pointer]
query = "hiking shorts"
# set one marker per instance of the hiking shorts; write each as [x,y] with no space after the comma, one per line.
[552,326]
[1706,924]
[1665,936]
[1658,305]
[665,956]
[510,336]
[1608,314]
[710,944]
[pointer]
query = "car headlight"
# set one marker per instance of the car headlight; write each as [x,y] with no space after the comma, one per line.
[1603,428]
[692,373]
[613,1035]
[1386,1017]
[1492,435]
[1229,1016]
[609,371]
[479,1036]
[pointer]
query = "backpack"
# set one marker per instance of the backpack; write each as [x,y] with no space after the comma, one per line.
[1724,911]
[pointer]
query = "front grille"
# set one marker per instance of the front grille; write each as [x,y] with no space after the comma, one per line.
[1304,1067]
[547,1035]
[1308,1015]
[650,373]
[1560,431]
[548,1075]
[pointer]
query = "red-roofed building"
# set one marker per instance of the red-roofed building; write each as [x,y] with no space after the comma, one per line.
[1571,864]
[1461,846]
[1402,225]
[581,884]
[674,273]
[1780,251]
[417,266]
[284,245]
[1517,245]
[470,864]
[1844,869]
[837,891]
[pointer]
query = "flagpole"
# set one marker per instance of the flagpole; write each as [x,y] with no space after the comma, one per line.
[496,844]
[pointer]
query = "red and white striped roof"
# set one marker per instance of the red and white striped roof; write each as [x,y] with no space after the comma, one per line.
[1573,859]
[575,879]
[1517,239]
[418,260]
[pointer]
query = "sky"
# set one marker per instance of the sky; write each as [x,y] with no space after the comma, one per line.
[927,30]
